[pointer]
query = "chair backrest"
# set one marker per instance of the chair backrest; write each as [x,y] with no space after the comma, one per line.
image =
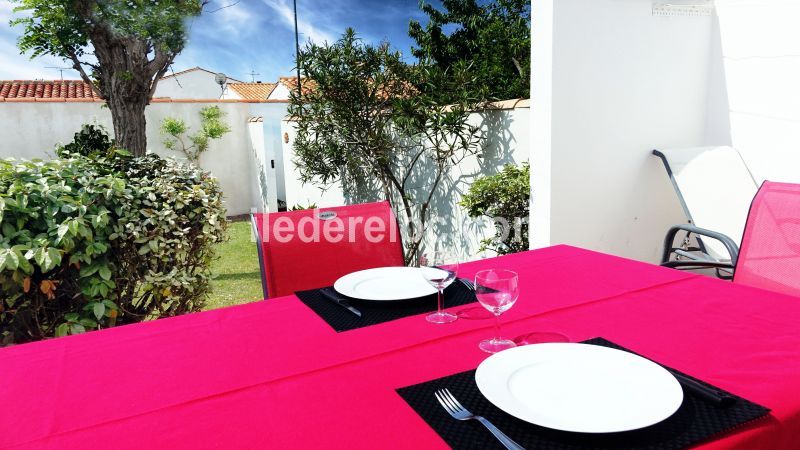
[714,187]
[312,248]
[769,257]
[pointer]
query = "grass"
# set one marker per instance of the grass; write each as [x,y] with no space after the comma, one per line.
[237,277]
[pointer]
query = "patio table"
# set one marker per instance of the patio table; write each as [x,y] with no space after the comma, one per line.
[272,374]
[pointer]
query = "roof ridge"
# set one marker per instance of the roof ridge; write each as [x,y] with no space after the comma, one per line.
[193,69]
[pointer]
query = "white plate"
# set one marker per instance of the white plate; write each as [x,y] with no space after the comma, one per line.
[384,284]
[579,387]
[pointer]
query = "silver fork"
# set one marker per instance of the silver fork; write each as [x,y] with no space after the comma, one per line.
[455,409]
[467,283]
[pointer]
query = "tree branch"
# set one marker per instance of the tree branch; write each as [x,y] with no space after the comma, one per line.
[77,65]
[157,68]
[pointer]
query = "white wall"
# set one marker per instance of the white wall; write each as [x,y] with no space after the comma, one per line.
[507,142]
[195,84]
[290,188]
[271,163]
[761,47]
[615,82]
[281,92]
[33,129]
[228,158]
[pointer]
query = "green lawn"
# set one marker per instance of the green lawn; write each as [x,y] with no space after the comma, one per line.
[237,278]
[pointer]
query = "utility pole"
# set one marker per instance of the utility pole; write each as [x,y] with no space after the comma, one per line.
[297,51]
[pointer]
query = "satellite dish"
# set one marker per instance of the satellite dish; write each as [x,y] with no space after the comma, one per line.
[221,79]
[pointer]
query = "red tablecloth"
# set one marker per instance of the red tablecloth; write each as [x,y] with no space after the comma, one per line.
[272,374]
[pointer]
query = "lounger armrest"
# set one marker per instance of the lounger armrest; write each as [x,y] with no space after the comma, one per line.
[698,265]
[730,245]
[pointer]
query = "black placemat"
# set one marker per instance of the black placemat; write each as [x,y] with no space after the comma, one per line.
[695,421]
[373,313]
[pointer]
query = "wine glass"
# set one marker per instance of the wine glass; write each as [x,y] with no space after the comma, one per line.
[439,268]
[497,290]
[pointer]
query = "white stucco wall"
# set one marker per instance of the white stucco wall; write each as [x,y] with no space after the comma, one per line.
[611,82]
[293,191]
[761,48]
[271,162]
[33,129]
[507,135]
[281,92]
[195,84]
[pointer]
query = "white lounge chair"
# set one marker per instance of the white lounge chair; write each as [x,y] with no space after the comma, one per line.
[715,188]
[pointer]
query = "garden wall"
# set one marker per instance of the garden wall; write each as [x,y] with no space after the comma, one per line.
[32,129]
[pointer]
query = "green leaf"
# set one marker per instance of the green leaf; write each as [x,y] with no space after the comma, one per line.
[88,323]
[8,229]
[105,273]
[8,259]
[63,229]
[77,328]
[73,227]
[109,304]
[71,317]
[62,329]
[54,255]
[89,270]
[99,310]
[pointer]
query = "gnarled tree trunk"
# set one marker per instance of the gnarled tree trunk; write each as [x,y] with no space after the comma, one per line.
[126,77]
[130,125]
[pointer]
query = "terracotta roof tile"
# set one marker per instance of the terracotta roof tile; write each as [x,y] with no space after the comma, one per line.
[291,84]
[253,91]
[42,89]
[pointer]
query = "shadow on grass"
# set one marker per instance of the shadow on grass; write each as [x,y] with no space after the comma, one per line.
[239,276]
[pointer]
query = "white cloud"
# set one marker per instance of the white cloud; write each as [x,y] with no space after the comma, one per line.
[286,13]
[6,10]
[232,18]
[14,66]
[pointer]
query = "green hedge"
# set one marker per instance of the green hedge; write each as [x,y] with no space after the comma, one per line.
[505,195]
[91,240]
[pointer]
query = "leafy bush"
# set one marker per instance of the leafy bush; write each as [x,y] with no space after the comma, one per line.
[91,140]
[299,207]
[505,197]
[89,242]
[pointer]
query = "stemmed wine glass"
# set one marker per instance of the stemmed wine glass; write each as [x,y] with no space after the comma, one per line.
[439,268]
[497,290]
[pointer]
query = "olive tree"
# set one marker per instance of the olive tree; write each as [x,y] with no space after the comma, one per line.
[120,48]
[366,119]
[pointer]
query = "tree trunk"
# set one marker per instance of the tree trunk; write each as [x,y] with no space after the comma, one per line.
[130,125]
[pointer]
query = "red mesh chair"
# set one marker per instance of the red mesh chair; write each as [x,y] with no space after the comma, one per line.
[769,256]
[312,248]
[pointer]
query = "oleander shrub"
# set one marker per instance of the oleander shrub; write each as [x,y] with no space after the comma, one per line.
[505,197]
[97,238]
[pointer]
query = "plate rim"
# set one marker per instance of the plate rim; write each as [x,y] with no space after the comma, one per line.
[337,285]
[481,382]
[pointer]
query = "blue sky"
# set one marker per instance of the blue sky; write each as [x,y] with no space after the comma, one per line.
[252,35]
